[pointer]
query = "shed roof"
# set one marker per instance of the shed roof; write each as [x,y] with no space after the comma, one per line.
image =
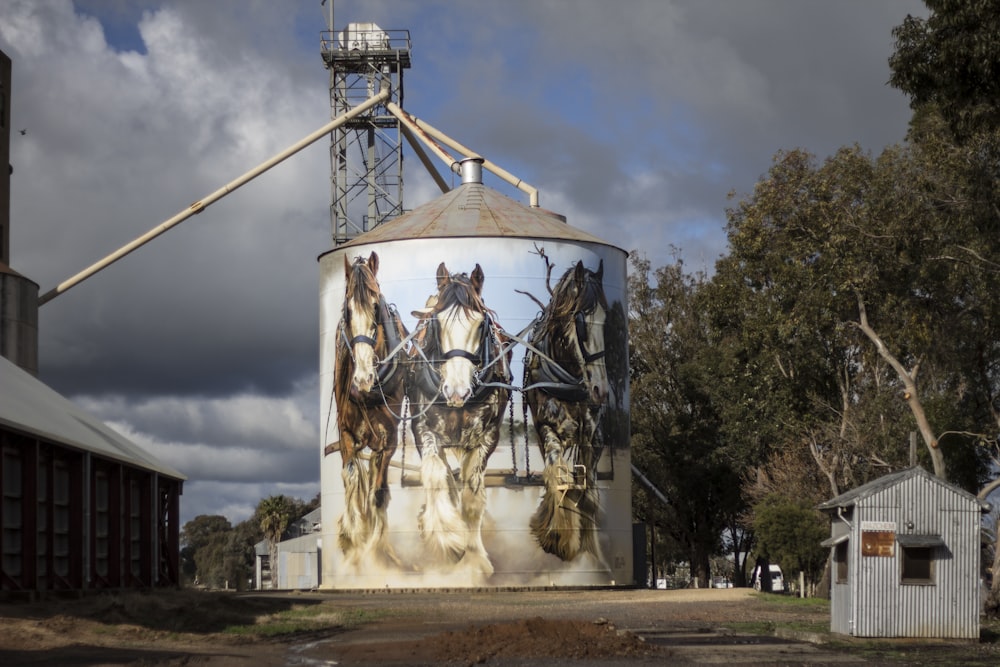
[860,493]
[30,406]
[474,210]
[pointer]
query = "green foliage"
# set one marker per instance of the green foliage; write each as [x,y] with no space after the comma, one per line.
[210,561]
[216,554]
[198,534]
[815,247]
[857,305]
[789,533]
[273,515]
[676,440]
[951,60]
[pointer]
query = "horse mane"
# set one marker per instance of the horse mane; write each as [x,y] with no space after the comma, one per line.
[459,291]
[361,286]
[567,300]
[343,368]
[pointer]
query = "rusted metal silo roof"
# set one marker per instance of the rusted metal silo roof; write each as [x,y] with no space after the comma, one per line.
[474,210]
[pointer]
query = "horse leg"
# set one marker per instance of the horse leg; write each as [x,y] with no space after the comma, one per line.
[441,525]
[381,458]
[474,507]
[378,541]
[556,522]
[353,523]
[589,505]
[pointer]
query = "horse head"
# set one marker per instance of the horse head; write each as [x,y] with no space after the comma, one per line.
[460,322]
[362,301]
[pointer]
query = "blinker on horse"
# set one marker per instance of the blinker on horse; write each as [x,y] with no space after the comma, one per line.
[566,386]
[459,391]
[369,390]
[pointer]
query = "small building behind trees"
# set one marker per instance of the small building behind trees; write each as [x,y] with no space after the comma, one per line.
[906,558]
[299,553]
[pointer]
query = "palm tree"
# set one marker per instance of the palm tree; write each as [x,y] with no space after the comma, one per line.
[274,514]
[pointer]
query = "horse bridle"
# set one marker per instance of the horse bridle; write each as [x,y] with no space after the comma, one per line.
[580,320]
[383,316]
[361,338]
[430,378]
[475,357]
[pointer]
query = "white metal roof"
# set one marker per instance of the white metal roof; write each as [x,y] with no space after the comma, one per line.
[30,406]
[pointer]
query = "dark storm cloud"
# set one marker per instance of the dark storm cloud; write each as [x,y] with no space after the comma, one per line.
[634,119]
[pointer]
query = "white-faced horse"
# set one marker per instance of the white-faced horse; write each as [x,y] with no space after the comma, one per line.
[566,387]
[459,390]
[369,388]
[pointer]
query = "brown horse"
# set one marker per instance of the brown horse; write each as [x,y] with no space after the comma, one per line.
[369,388]
[566,387]
[459,391]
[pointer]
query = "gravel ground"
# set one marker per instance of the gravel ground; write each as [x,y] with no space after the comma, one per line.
[554,628]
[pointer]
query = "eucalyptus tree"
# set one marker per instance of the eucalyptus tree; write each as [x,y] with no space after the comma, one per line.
[198,537]
[948,64]
[850,319]
[951,61]
[675,430]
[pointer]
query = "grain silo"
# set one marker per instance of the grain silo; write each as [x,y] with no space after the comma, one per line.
[480,445]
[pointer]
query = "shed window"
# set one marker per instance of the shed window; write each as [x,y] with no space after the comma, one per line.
[918,553]
[918,565]
[840,559]
[839,544]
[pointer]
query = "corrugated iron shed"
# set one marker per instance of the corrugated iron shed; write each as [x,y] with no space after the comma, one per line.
[34,408]
[84,508]
[906,558]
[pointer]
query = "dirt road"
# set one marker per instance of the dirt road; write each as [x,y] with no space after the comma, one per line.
[554,628]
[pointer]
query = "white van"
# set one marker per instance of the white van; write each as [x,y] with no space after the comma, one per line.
[777,579]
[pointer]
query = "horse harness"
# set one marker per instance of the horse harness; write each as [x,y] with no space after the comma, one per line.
[550,377]
[387,317]
[580,321]
[491,372]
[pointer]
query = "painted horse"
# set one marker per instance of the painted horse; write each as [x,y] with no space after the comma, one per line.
[369,388]
[566,387]
[459,390]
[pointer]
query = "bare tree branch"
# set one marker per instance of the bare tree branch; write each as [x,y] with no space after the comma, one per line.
[908,378]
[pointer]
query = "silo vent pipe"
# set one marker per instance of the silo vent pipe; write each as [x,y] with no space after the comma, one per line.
[425,130]
[203,203]
[472,170]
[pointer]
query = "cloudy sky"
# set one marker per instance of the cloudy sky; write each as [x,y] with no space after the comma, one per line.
[634,119]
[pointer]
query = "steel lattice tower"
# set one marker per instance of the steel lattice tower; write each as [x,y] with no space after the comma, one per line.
[366,156]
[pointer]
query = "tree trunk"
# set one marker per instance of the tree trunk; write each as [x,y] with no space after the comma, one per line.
[910,392]
[993,599]
[763,569]
[822,589]
[701,570]
[273,557]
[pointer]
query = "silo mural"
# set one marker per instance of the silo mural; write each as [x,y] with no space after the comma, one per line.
[474,388]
